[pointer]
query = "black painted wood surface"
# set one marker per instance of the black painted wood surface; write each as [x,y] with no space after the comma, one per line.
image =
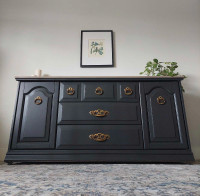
[116,112]
[35,125]
[108,91]
[165,121]
[120,137]
[140,128]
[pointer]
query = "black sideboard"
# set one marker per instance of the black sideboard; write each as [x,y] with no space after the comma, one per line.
[99,119]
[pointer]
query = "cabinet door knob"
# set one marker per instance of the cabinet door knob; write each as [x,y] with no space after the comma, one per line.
[128,91]
[38,100]
[99,113]
[99,137]
[70,91]
[99,91]
[161,100]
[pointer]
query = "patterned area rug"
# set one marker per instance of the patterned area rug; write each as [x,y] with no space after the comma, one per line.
[99,179]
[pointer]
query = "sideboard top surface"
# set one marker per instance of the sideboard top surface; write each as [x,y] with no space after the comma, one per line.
[97,78]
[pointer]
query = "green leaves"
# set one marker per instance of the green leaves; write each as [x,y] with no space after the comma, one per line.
[156,68]
[149,64]
[155,60]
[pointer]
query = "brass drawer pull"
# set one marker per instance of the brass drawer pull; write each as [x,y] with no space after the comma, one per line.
[99,137]
[128,91]
[99,91]
[70,91]
[161,100]
[99,113]
[38,100]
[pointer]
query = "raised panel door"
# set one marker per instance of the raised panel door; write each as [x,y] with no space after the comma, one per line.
[165,123]
[35,122]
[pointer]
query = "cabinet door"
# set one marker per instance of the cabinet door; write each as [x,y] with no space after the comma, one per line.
[166,127]
[35,121]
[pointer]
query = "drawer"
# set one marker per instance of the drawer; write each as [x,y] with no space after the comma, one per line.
[95,91]
[69,91]
[98,91]
[100,111]
[128,91]
[99,137]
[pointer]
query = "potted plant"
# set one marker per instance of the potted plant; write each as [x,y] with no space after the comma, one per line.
[156,68]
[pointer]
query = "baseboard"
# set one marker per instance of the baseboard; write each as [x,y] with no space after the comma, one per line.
[3,152]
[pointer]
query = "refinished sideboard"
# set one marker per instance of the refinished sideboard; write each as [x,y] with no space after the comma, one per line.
[99,119]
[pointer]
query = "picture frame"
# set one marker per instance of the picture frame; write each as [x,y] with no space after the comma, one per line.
[96,48]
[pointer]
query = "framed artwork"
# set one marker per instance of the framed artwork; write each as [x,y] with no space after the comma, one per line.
[97,48]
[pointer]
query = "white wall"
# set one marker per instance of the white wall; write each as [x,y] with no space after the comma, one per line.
[46,34]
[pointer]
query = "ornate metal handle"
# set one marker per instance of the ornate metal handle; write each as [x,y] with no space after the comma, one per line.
[99,113]
[128,91]
[99,91]
[38,100]
[99,137]
[161,100]
[70,91]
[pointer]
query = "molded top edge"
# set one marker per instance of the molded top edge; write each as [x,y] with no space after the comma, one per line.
[97,77]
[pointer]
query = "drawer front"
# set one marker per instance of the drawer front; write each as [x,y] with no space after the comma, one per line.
[99,137]
[69,91]
[127,91]
[84,112]
[98,91]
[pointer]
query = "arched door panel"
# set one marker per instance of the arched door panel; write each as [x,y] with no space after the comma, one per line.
[36,115]
[165,121]
[162,118]
[35,121]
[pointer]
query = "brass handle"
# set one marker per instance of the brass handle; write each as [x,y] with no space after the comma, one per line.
[99,113]
[99,91]
[99,137]
[128,91]
[70,91]
[161,100]
[38,100]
